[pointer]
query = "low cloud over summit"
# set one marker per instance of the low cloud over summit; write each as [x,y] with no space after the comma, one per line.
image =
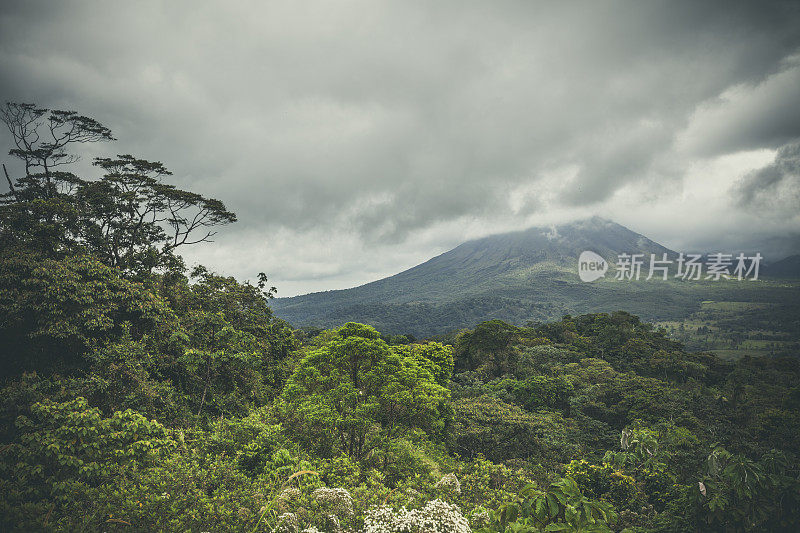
[356,139]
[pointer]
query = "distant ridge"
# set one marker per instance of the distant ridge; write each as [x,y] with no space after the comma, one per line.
[518,276]
[788,267]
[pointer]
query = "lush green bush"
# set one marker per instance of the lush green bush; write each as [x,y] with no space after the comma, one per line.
[562,507]
[501,431]
[55,311]
[200,422]
[606,483]
[67,455]
[357,391]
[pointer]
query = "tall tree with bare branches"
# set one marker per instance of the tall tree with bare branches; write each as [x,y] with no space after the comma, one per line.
[129,218]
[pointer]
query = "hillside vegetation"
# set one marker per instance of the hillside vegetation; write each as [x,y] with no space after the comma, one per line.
[531,275]
[137,395]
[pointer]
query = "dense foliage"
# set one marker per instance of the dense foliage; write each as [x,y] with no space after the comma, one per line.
[137,395]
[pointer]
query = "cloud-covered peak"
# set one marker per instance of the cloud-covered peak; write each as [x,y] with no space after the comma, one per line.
[353,138]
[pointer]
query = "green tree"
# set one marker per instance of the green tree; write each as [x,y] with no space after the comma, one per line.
[65,453]
[502,431]
[227,340]
[739,494]
[356,388]
[435,357]
[563,507]
[129,218]
[134,221]
[55,311]
[39,210]
[489,346]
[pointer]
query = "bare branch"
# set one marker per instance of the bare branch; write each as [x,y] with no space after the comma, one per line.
[10,183]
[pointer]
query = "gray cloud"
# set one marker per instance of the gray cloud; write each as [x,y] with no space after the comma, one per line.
[395,129]
[774,189]
[749,116]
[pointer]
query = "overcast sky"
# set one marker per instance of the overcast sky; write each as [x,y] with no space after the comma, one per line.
[355,139]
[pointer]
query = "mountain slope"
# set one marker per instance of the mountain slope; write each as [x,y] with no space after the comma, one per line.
[788,267]
[518,276]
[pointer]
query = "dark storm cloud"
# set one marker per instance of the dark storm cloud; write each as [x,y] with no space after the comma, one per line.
[775,188]
[750,116]
[369,122]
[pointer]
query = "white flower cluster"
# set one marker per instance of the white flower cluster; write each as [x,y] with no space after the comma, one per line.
[287,523]
[311,529]
[449,482]
[338,500]
[436,517]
